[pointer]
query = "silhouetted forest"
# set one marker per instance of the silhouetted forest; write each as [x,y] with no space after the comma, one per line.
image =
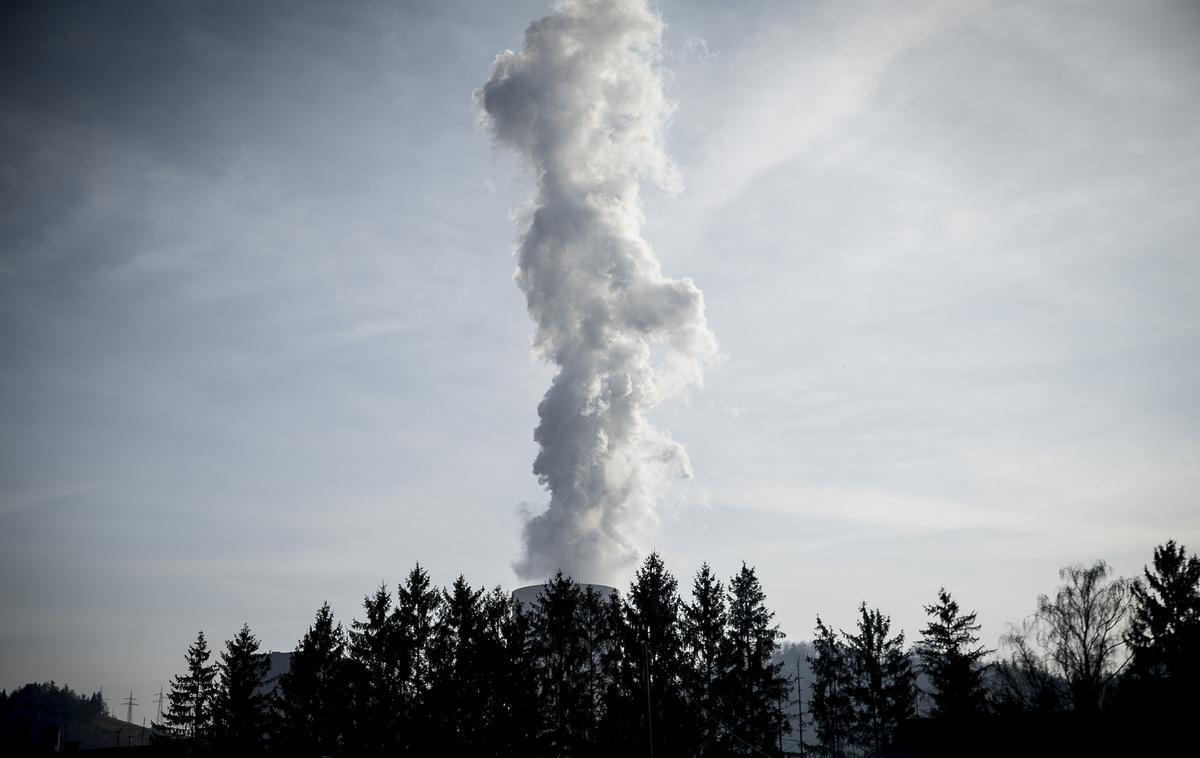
[42,717]
[1104,665]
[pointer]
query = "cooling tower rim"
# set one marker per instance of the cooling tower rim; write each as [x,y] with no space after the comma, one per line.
[528,594]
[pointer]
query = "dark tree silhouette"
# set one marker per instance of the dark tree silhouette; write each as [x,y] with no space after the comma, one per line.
[654,667]
[1164,631]
[459,684]
[375,664]
[30,710]
[562,663]
[1072,641]
[461,671]
[617,723]
[704,620]
[951,657]
[753,691]
[602,652]
[241,707]
[314,692]
[466,672]
[391,669]
[418,604]
[1025,681]
[512,720]
[830,704]
[190,701]
[883,686]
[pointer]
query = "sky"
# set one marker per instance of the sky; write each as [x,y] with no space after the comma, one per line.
[261,347]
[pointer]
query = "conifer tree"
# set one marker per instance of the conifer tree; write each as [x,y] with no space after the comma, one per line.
[883,687]
[313,693]
[513,719]
[951,657]
[561,659]
[830,704]
[1164,631]
[418,604]
[189,710]
[458,687]
[600,643]
[241,706]
[753,690]
[619,719]
[654,669]
[374,663]
[704,620]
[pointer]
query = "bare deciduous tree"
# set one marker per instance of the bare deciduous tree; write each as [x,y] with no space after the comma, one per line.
[1071,649]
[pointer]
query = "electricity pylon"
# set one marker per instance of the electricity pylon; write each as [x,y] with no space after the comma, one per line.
[129,711]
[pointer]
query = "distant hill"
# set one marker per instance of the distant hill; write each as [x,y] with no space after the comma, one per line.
[39,717]
[106,731]
[790,654]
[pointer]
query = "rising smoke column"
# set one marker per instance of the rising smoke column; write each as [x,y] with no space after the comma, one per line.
[583,104]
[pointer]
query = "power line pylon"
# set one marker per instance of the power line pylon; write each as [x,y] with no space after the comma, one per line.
[130,702]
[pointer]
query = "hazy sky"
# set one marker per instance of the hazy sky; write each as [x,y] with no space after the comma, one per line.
[260,345]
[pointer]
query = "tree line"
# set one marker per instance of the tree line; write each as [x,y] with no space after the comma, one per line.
[469,671]
[1101,651]
[35,716]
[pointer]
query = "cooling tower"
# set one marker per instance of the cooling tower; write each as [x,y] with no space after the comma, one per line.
[527,596]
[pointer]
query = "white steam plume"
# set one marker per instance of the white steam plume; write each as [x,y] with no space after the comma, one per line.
[583,103]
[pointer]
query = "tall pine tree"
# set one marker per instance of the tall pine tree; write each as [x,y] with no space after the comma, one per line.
[619,719]
[189,711]
[418,605]
[883,687]
[241,708]
[375,663]
[512,718]
[753,690]
[654,669]
[1164,632]
[458,684]
[951,657]
[601,644]
[562,662]
[314,692]
[830,704]
[704,620]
